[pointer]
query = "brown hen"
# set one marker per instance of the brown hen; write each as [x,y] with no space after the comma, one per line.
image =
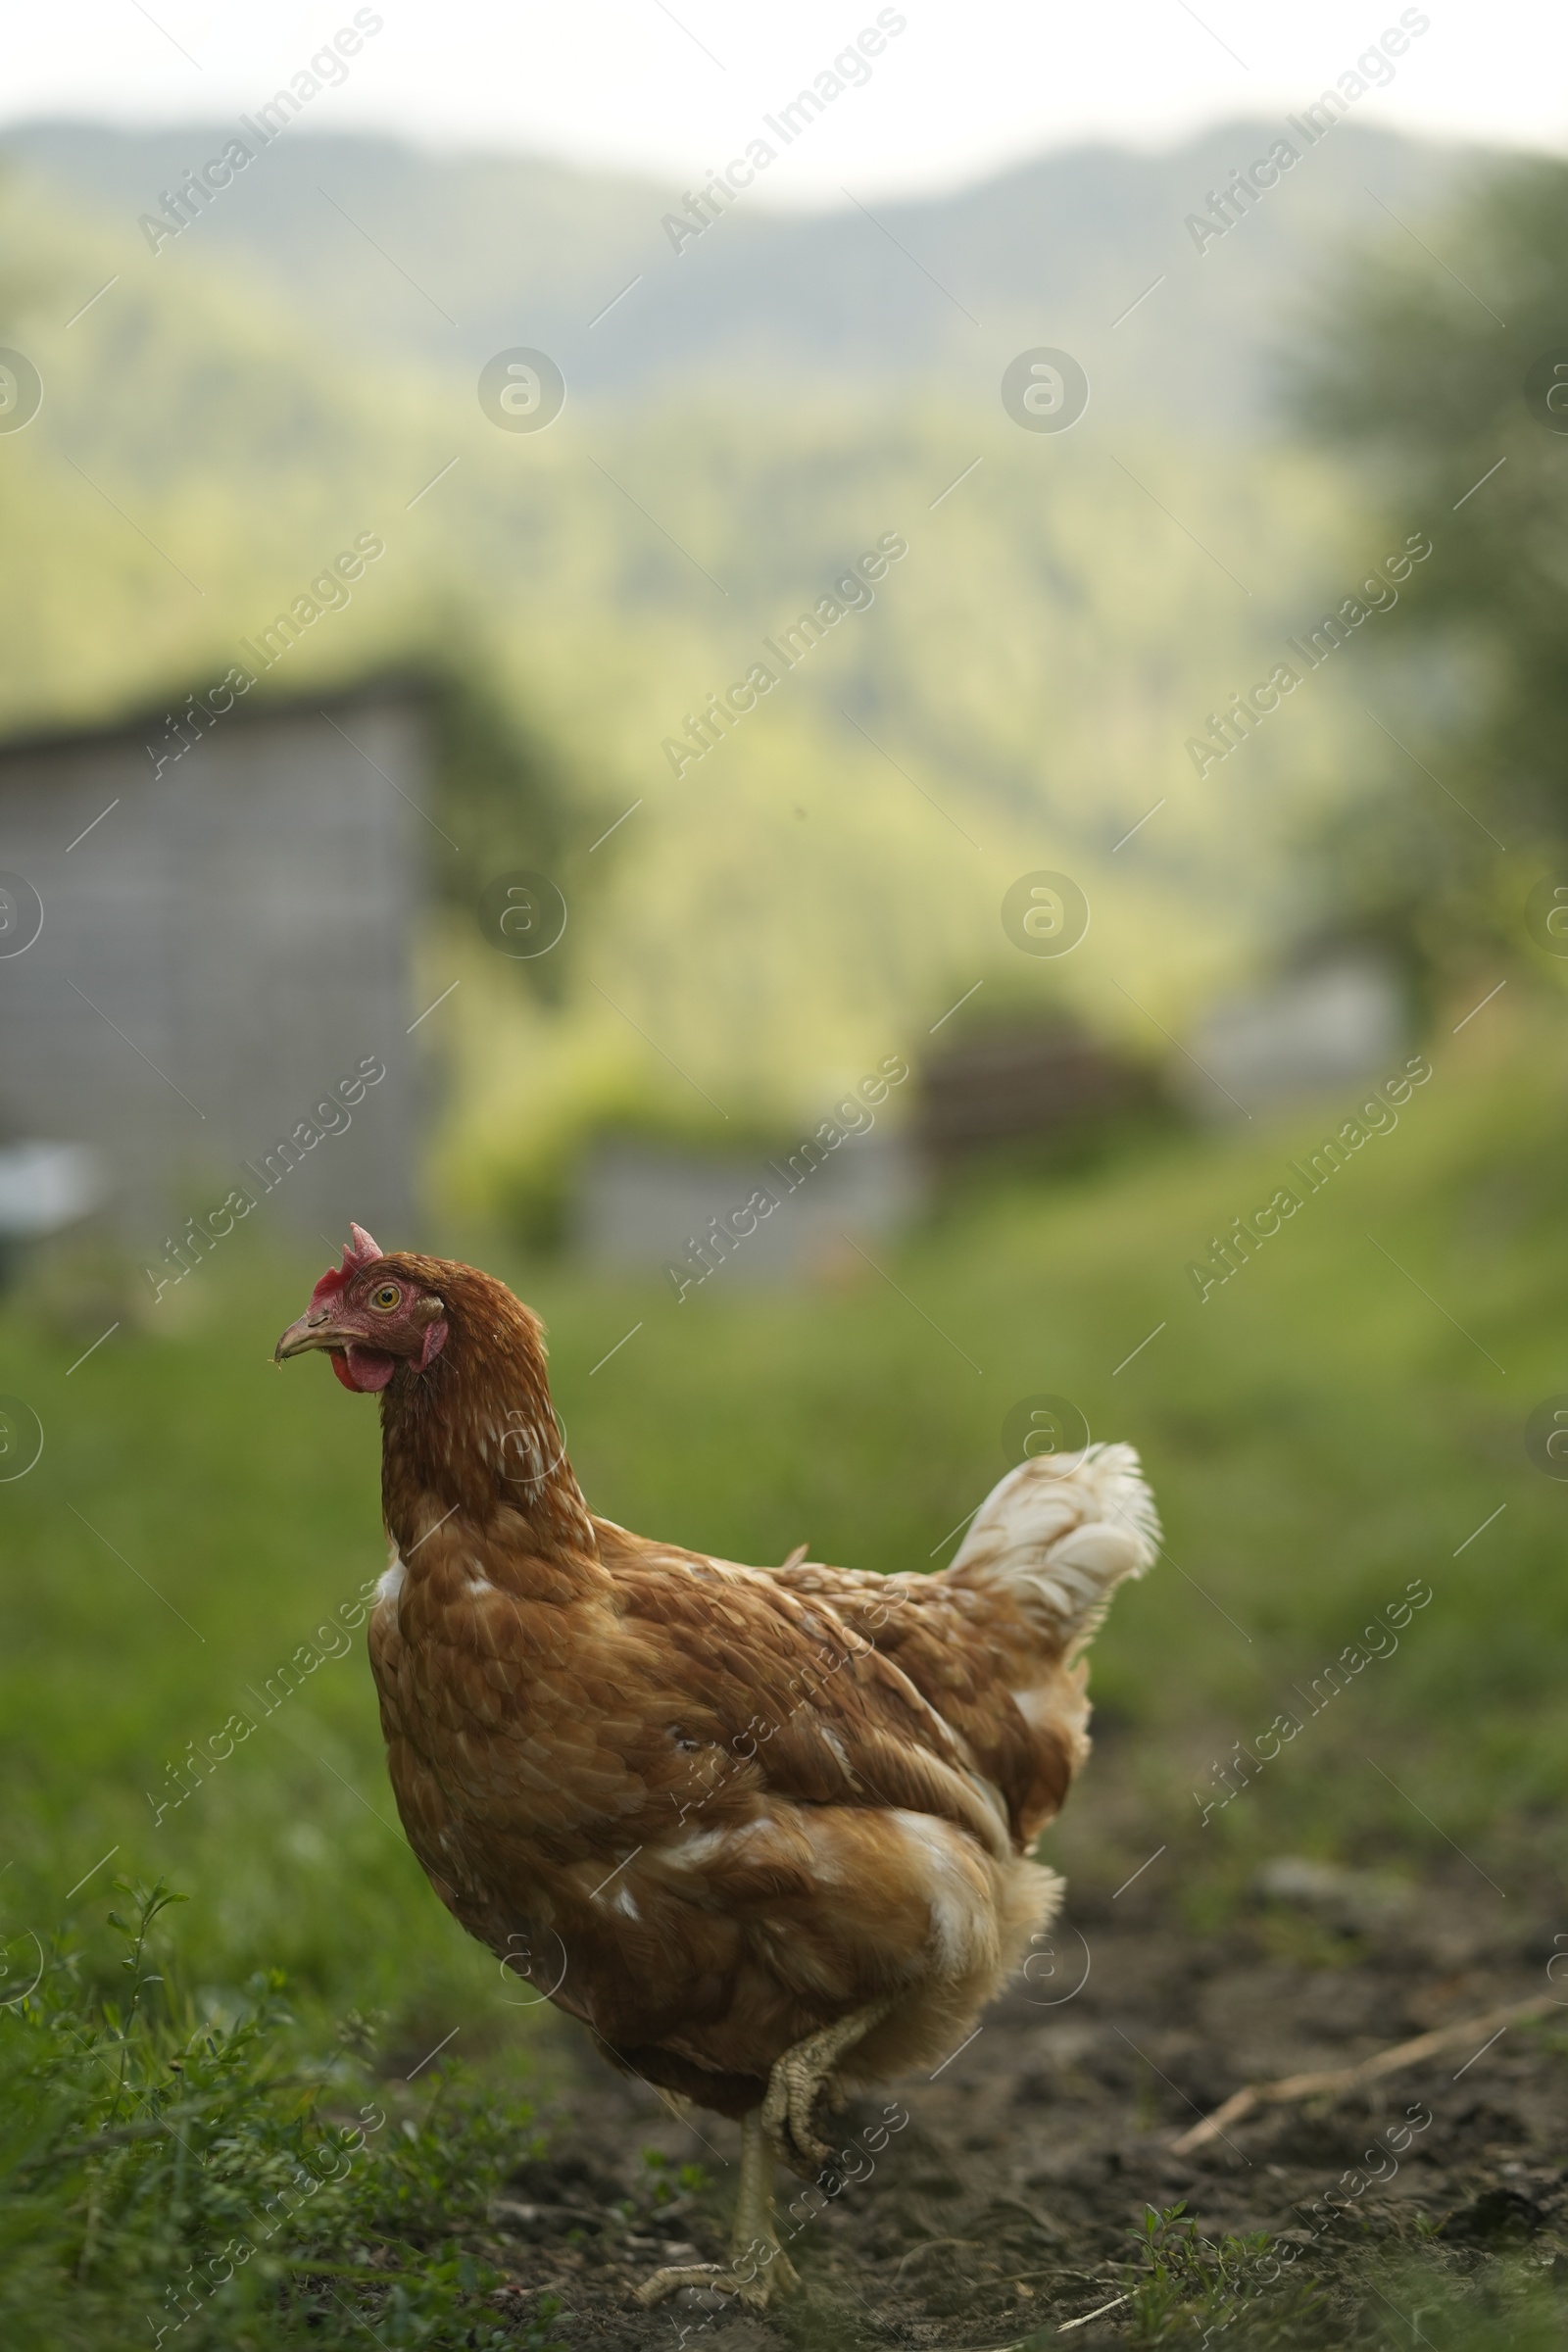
[760,1828]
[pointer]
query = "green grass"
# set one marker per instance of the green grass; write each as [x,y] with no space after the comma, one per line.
[1320,1432]
[169,2160]
[1186,2288]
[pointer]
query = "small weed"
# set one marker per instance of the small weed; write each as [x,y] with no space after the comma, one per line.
[671,2182]
[1187,2289]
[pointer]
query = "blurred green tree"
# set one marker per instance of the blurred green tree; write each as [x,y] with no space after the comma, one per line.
[1440,362]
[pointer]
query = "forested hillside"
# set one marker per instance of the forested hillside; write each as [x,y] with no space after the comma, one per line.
[1016,692]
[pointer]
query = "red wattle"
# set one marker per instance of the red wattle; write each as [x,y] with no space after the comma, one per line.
[365,1369]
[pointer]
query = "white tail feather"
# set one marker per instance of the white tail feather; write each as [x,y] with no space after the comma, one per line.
[1062,1532]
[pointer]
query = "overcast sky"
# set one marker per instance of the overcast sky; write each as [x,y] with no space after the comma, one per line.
[966,86]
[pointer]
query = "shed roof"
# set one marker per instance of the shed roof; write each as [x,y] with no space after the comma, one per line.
[416,683]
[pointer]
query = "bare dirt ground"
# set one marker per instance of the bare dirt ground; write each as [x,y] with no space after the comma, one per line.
[1001,2208]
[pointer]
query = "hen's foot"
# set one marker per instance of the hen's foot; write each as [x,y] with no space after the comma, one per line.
[752,2287]
[799,2082]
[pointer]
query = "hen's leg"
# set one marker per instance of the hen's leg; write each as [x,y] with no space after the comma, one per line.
[754,2242]
[759,2268]
[798,2083]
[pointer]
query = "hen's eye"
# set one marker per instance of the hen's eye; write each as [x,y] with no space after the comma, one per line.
[386,1297]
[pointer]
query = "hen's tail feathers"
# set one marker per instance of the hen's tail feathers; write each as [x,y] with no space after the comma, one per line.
[1061,1533]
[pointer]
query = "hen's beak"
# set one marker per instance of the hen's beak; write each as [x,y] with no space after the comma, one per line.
[314,1329]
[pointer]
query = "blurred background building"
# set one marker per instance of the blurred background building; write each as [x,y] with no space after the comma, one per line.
[216,995]
[1334,1022]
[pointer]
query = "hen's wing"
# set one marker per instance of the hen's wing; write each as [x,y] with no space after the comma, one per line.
[795,1678]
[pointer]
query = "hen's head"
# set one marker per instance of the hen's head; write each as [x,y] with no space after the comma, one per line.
[371,1314]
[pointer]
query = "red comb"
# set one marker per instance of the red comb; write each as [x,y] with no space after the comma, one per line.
[358,1253]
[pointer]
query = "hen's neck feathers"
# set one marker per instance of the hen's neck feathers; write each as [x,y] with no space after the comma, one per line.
[475,1432]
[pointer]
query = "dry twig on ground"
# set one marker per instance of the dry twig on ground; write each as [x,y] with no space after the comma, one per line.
[1338,2079]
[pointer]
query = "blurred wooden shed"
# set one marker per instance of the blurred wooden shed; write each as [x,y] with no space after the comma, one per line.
[206,928]
[1017,1082]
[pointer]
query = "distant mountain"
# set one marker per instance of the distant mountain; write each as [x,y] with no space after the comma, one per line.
[449,259]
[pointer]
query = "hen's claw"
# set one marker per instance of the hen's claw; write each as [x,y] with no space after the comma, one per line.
[794,2089]
[800,2080]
